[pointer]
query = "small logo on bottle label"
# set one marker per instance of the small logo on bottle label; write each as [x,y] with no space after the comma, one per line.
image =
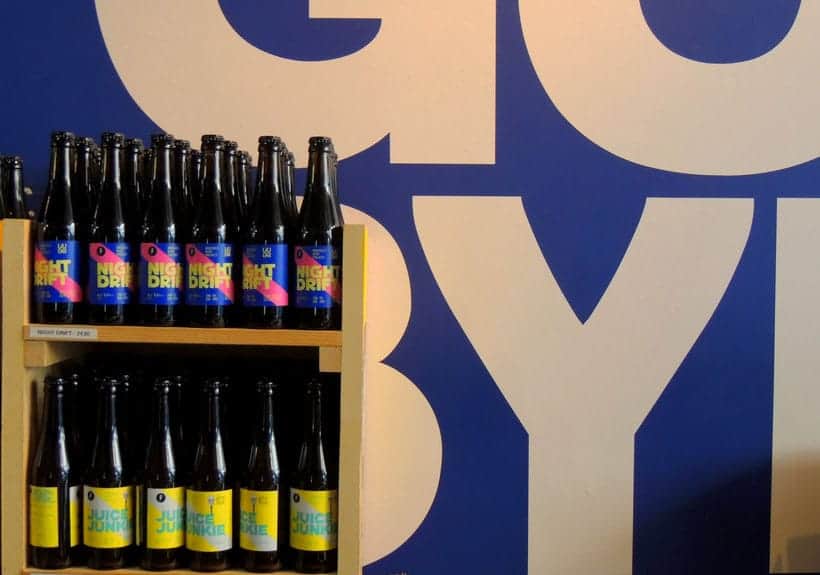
[44,517]
[209,520]
[108,517]
[265,275]
[110,273]
[314,520]
[258,520]
[318,276]
[57,272]
[160,274]
[210,279]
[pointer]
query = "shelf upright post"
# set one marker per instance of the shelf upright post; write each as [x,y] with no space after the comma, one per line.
[354,266]
[16,396]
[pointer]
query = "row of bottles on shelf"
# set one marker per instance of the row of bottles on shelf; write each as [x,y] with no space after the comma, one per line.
[227,473]
[188,242]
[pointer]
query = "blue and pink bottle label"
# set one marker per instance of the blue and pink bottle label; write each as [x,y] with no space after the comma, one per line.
[209,274]
[265,275]
[110,273]
[318,276]
[57,272]
[160,273]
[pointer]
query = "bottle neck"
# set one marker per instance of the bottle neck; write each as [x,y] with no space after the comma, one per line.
[212,172]
[133,171]
[320,172]
[313,416]
[162,414]
[112,176]
[162,168]
[212,423]
[265,415]
[53,416]
[181,168]
[107,419]
[60,170]
[270,175]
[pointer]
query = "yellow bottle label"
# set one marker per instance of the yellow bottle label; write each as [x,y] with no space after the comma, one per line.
[165,518]
[209,520]
[108,517]
[44,517]
[314,520]
[75,498]
[258,520]
[138,523]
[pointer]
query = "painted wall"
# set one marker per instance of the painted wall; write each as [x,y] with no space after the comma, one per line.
[594,332]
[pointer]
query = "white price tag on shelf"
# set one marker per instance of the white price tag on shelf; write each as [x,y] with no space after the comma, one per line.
[62,332]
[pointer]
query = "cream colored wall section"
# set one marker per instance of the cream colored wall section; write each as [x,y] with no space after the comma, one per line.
[402,440]
[582,390]
[409,82]
[607,73]
[795,528]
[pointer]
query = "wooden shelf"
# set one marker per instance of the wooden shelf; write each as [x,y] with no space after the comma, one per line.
[32,351]
[135,571]
[183,335]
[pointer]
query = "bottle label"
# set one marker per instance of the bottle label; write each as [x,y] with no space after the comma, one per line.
[108,517]
[75,498]
[165,518]
[314,520]
[110,273]
[209,520]
[258,520]
[265,275]
[210,279]
[160,274]
[57,272]
[44,517]
[318,276]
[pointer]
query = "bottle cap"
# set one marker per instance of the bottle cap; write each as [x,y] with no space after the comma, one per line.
[163,384]
[12,161]
[211,138]
[62,138]
[162,140]
[213,385]
[266,386]
[270,142]
[134,144]
[84,142]
[321,143]
[231,147]
[184,145]
[53,382]
[114,139]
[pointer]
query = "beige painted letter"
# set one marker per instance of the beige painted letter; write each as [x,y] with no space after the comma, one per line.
[410,82]
[612,79]
[582,390]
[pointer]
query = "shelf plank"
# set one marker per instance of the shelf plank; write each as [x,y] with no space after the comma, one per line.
[183,335]
[134,571]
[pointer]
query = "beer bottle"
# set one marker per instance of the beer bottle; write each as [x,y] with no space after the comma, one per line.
[15,205]
[318,245]
[180,185]
[259,491]
[209,506]
[83,190]
[108,500]
[110,267]
[265,244]
[161,495]
[52,533]
[136,184]
[314,517]
[160,267]
[58,290]
[209,289]
[242,191]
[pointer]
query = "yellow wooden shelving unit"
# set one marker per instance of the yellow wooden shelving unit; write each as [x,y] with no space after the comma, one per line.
[31,351]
